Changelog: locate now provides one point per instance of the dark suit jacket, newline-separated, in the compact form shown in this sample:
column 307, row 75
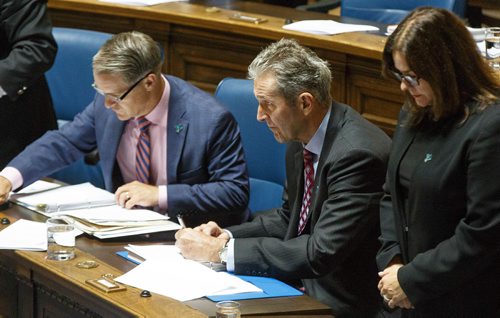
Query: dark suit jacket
column 335, row 255
column 451, row 245
column 27, row 50
column 205, row 162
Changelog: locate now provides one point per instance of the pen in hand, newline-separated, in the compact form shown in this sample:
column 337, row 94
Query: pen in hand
column 181, row 221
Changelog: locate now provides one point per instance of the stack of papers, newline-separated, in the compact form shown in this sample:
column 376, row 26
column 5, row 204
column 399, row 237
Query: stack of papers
column 167, row 273
column 24, row 235
column 327, row 27
column 94, row 210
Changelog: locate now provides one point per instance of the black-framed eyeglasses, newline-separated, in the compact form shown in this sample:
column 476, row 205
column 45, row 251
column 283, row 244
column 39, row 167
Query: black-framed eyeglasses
column 115, row 99
column 411, row 80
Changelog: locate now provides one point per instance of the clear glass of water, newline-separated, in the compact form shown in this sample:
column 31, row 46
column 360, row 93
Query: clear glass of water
column 60, row 238
column 228, row 309
column 492, row 53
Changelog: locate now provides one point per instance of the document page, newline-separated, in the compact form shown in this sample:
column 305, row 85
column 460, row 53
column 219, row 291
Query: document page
column 166, row 272
column 71, row 197
column 327, row 27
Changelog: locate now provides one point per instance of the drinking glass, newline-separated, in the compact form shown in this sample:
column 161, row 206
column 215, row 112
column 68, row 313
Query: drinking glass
column 61, row 239
column 492, row 53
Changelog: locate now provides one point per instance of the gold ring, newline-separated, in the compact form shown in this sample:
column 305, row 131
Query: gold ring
column 386, row 299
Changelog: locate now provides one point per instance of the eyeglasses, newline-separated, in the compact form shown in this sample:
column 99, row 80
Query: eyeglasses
column 411, row 80
column 115, row 99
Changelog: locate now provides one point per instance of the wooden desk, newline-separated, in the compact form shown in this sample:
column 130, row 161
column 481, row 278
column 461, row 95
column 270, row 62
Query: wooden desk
column 204, row 47
column 35, row 287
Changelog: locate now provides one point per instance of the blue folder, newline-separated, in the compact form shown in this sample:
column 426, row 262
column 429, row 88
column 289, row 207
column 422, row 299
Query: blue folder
column 271, row 287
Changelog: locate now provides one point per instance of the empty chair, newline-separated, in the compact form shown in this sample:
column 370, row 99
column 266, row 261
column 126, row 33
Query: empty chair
column 385, row 11
column 264, row 155
column 70, row 81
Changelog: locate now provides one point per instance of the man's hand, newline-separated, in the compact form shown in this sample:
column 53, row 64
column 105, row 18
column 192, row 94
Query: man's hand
column 199, row 246
column 390, row 289
column 5, row 188
column 213, row 229
column 136, row 193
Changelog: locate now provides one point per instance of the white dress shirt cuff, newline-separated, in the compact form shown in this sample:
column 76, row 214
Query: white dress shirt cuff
column 230, row 256
column 162, row 197
column 14, row 176
column 2, row 92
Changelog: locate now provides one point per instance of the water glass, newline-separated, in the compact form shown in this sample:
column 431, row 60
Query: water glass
column 228, row 309
column 60, row 238
column 492, row 53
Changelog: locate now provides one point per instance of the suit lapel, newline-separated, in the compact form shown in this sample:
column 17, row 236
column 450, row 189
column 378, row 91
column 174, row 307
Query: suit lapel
column 114, row 131
column 177, row 128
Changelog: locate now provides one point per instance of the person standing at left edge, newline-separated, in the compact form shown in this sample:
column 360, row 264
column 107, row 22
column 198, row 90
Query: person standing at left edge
column 27, row 50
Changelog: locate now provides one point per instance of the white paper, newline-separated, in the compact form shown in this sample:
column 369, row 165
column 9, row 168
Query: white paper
column 24, row 235
column 327, row 27
column 141, row 2
column 37, row 186
column 166, row 272
column 114, row 215
column 84, row 195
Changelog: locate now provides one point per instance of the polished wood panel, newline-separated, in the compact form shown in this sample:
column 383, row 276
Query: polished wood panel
column 35, row 287
column 203, row 46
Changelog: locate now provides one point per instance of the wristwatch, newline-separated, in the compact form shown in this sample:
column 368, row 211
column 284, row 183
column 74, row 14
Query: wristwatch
column 223, row 254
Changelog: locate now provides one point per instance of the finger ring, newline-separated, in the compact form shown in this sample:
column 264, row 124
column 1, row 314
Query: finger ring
column 386, row 299
column 127, row 196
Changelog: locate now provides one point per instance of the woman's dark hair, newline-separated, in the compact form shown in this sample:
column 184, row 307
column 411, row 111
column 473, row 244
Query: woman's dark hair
column 439, row 49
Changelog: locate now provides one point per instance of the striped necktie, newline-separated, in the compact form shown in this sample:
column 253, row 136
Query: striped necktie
column 143, row 154
column 308, row 185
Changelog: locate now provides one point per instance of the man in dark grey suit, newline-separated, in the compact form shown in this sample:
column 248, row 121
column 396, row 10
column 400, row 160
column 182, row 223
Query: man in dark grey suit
column 326, row 231
column 27, row 50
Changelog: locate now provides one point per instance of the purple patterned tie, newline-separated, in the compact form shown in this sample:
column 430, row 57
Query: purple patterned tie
column 308, row 185
column 143, row 154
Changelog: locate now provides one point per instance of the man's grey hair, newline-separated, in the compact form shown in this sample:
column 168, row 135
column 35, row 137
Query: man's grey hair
column 297, row 69
column 130, row 55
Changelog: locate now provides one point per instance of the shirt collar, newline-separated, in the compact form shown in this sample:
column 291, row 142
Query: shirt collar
column 158, row 115
column 316, row 143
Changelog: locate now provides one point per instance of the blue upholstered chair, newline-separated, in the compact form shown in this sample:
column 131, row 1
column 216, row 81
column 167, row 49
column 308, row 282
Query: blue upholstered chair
column 385, row 11
column 70, row 80
column 264, row 155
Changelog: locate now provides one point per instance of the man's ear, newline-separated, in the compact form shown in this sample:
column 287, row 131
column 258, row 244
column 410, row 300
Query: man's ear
column 306, row 102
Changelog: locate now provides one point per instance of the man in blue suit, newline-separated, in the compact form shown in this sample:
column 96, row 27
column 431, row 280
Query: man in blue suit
column 190, row 157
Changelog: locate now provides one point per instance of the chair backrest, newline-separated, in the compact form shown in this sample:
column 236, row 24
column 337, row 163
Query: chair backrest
column 70, row 77
column 393, row 11
column 264, row 195
column 69, row 81
column 264, row 155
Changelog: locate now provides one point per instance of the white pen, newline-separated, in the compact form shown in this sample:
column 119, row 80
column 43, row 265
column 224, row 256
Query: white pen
column 181, row 221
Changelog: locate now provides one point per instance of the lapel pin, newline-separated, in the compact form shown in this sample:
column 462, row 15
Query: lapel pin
column 428, row 157
column 178, row 128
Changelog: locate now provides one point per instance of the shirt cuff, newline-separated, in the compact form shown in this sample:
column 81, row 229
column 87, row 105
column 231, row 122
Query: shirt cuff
column 162, row 197
column 230, row 256
column 2, row 92
column 14, row 176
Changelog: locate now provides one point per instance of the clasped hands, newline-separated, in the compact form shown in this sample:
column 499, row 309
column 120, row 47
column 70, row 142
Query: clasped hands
column 390, row 289
column 201, row 243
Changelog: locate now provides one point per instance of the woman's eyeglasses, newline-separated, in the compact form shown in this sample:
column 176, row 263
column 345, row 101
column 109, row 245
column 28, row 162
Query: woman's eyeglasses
column 411, row 80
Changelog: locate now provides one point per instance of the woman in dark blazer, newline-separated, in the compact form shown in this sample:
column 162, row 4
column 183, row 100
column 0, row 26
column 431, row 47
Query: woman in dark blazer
column 440, row 216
